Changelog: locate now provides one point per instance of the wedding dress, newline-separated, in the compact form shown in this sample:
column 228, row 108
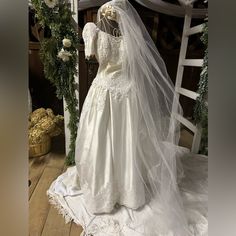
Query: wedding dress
column 128, row 179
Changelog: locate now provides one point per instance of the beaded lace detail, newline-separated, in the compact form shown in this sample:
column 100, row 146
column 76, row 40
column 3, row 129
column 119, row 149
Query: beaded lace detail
column 109, row 51
column 107, row 197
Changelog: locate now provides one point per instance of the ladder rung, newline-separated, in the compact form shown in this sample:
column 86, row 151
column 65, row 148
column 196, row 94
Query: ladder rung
column 194, row 30
column 185, row 122
column 192, row 62
column 187, row 93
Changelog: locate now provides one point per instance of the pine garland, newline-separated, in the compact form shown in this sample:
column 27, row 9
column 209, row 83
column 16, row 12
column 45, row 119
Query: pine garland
column 201, row 107
column 59, row 57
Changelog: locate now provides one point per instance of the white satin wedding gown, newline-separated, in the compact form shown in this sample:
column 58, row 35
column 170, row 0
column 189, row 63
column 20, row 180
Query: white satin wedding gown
column 105, row 174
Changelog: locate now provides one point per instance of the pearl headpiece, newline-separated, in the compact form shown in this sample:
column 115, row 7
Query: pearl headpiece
column 109, row 12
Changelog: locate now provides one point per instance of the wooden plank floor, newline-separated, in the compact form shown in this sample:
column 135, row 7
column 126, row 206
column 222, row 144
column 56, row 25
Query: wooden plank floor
column 44, row 218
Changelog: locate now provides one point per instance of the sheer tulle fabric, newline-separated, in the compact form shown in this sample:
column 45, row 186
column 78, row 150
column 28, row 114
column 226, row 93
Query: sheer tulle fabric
column 156, row 103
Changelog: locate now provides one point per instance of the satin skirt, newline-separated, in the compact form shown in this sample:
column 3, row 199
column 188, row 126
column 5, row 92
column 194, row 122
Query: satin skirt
column 105, row 159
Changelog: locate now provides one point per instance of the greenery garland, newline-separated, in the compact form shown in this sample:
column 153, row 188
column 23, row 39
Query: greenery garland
column 59, row 57
column 201, row 107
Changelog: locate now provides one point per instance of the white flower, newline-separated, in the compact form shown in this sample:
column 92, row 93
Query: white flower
column 64, row 55
column 51, row 3
column 66, row 43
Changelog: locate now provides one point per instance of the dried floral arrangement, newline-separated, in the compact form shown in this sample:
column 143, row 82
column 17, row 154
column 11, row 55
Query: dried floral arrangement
column 43, row 124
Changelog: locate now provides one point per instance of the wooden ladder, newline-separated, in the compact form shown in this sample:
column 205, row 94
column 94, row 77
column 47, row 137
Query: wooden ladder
column 187, row 31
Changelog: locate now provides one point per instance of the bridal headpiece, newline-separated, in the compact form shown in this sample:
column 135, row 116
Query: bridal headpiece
column 109, row 11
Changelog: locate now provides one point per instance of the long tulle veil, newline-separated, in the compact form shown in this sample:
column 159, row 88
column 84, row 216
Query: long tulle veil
column 155, row 106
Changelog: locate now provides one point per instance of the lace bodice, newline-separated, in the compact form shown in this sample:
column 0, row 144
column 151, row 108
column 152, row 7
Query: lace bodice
column 108, row 49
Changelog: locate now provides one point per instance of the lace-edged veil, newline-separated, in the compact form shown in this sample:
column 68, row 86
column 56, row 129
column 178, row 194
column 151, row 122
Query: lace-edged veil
column 155, row 105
